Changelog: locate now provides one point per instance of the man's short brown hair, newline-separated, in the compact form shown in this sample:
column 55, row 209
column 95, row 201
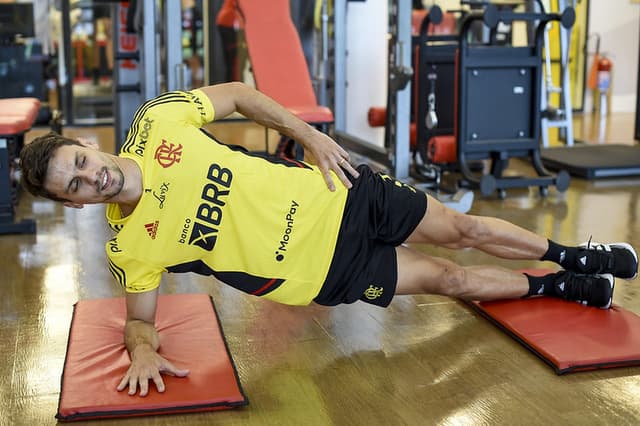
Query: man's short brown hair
column 34, row 162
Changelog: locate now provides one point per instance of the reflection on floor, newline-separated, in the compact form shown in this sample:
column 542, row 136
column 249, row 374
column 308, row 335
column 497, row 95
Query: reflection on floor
column 424, row 360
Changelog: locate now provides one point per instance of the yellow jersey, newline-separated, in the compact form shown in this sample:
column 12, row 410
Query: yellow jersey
column 266, row 226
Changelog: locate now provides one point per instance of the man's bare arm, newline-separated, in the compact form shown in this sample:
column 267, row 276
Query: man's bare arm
column 141, row 314
column 142, row 341
column 231, row 97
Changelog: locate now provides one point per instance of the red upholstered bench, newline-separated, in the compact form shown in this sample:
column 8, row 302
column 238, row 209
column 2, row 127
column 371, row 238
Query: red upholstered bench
column 17, row 115
column 314, row 114
column 277, row 59
column 279, row 67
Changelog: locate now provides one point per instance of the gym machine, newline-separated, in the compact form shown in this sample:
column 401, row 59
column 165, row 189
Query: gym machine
column 395, row 156
column 20, row 104
column 636, row 129
column 137, row 45
column 506, row 81
column 17, row 115
column 561, row 117
column 435, row 109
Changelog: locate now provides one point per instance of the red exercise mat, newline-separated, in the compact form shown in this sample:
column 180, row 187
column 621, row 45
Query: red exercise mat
column 191, row 337
column 568, row 336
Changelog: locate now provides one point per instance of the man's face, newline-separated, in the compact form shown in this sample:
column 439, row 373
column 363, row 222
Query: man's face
column 83, row 175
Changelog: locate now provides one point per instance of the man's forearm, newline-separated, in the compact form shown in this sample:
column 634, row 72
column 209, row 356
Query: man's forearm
column 265, row 111
column 138, row 332
column 323, row 151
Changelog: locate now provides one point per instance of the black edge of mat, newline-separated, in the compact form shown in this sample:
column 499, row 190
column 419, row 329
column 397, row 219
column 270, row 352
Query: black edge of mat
column 185, row 409
column 599, row 366
column 559, row 371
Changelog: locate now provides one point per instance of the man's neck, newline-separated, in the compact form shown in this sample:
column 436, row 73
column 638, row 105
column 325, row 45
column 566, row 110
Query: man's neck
column 132, row 190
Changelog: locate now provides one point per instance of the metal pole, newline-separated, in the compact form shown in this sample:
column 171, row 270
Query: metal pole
column 402, row 99
column 127, row 73
column 340, row 64
column 566, row 102
column 149, row 51
column 324, row 56
column 173, row 47
column 66, row 78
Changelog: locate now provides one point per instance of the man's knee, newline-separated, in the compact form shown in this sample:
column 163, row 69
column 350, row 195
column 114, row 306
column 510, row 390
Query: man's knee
column 472, row 230
column 454, row 281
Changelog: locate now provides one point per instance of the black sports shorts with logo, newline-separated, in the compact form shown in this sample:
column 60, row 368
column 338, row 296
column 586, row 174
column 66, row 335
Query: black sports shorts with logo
column 379, row 215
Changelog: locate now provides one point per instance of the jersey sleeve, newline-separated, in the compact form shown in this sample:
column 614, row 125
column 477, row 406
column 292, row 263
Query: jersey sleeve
column 193, row 108
column 133, row 275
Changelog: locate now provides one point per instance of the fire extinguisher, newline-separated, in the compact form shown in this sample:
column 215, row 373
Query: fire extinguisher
column 592, row 81
column 604, row 74
column 604, row 82
column 600, row 75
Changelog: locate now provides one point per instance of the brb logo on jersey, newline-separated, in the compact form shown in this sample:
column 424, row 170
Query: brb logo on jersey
column 204, row 227
column 168, row 154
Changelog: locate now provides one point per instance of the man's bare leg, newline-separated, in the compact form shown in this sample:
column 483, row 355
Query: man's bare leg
column 446, row 227
column 419, row 273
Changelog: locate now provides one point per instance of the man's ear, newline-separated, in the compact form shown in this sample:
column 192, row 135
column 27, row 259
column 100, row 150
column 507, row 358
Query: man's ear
column 73, row 205
column 89, row 143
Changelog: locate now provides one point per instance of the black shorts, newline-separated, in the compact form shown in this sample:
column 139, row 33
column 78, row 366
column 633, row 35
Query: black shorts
column 379, row 215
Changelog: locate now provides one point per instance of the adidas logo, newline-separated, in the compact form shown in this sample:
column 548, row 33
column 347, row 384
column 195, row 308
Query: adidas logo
column 583, row 260
column 561, row 286
column 541, row 290
column 563, row 255
column 152, row 229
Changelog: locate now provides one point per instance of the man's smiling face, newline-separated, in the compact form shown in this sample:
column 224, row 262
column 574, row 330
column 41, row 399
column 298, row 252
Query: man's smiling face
column 83, row 175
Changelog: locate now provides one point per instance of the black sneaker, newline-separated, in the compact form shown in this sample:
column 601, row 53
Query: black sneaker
column 619, row 259
column 590, row 290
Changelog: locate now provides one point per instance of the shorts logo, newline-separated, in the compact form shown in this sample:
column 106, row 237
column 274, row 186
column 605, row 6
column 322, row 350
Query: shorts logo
column 373, row 292
column 152, row 229
column 168, row 153
column 397, row 182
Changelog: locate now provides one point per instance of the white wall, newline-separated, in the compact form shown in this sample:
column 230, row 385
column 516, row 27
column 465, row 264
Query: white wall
column 618, row 23
column 367, row 25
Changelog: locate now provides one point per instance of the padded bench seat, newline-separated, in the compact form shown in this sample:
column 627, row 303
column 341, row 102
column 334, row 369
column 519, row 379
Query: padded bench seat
column 17, row 115
column 277, row 59
column 313, row 114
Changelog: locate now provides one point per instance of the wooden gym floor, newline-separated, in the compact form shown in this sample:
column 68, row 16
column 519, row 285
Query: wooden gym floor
column 424, row 360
